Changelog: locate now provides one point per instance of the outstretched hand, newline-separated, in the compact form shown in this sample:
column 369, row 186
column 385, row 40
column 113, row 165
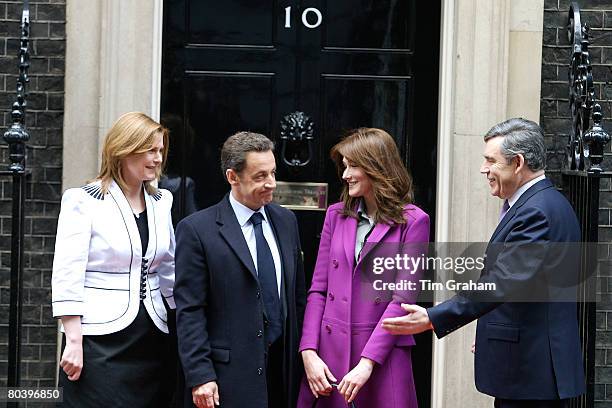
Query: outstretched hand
column 416, row 321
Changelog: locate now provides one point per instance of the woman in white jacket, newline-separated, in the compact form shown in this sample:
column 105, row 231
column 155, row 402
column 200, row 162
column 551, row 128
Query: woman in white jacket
column 113, row 266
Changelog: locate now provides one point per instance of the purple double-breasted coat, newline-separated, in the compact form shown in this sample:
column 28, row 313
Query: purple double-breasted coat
column 343, row 326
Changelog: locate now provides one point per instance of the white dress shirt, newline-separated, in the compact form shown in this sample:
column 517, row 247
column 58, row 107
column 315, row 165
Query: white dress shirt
column 518, row 193
column 243, row 214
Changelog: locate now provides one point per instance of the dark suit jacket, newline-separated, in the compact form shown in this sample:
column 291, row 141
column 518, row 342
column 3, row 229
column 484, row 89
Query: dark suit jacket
column 220, row 312
column 523, row 350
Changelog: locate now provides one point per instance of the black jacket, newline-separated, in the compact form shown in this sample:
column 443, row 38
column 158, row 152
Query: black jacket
column 220, row 312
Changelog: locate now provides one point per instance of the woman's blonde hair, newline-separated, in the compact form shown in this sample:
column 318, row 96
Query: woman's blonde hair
column 375, row 151
column 133, row 132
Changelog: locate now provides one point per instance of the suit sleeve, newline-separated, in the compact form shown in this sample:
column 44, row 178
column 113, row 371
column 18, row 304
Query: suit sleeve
column 190, row 294
column 515, row 270
column 317, row 294
column 381, row 342
column 71, row 255
column 166, row 266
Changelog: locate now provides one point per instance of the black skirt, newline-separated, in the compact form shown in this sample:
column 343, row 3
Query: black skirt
column 130, row 368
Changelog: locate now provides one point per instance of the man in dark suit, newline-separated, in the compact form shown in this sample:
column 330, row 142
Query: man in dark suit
column 527, row 353
column 240, row 288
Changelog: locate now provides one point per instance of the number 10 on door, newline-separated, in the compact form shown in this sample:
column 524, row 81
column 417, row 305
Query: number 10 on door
column 306, row 19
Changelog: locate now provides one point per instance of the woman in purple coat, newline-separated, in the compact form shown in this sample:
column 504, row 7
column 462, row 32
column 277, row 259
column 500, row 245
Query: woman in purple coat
column 342, row 341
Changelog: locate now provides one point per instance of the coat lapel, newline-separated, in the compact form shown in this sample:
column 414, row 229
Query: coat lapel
column 537, row 187
column 377, row 235
column 283, row 240
column 232, row 233
column 128, row 217
column 349, row 235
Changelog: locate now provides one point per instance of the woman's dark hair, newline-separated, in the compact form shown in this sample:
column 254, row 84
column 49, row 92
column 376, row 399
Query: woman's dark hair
column 376, row 153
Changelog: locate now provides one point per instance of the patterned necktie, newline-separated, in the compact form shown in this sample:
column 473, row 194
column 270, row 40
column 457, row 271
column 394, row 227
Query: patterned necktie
column 504, row 209
column 266, row 274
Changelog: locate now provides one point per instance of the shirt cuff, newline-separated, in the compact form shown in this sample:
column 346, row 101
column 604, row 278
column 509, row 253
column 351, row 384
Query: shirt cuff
column 67, row 308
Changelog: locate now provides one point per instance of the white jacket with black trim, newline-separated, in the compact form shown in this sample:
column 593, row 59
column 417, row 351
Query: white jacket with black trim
column 99, row 271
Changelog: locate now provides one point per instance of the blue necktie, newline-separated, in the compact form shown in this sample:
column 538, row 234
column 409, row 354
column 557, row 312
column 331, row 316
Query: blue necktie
column 267, row 281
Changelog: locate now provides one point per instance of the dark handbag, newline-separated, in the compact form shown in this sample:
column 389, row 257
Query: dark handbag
column 314, row 404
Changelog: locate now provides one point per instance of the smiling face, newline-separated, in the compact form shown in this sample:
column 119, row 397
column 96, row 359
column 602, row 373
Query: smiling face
column 140, row 167
column 359, row 184
column 504, row 178
column 254, row 185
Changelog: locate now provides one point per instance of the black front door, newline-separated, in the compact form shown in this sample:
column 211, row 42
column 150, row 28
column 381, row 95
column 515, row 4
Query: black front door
column 235, row 65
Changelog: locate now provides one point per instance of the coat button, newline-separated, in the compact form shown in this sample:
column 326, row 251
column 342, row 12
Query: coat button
column 258, row 294
column 335, row 263
column 377, row 300
column 344, row 299
column 331, row 296
column 259, row 371
column 328, row 328
column 259, row 333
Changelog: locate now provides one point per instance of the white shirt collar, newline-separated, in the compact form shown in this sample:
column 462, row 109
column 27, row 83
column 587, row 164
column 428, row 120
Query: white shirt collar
column 518, row 193
column 244, row 213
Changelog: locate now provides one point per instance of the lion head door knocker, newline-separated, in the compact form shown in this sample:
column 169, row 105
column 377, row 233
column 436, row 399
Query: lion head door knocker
column 297, row 139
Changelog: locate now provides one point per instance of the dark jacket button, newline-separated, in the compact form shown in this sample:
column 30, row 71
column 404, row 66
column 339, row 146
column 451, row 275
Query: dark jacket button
column 259, row 371
column 259, row 333
column 335, row 263
column 331, row 296
column 328, row 328
column 258, row 294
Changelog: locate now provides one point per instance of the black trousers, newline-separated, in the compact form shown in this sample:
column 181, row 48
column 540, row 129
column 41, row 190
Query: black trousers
column 504, row 403
column 277, row 396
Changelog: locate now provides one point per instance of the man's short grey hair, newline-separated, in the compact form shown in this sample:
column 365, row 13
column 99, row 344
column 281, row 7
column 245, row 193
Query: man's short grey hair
column 521, row 136
column 236, row 147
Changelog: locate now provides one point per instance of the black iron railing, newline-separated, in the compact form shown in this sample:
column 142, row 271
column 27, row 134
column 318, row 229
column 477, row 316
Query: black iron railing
column 582, row 178
column 16, row 137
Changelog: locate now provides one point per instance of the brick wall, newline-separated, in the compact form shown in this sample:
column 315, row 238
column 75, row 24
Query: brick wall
column 44, row 123
column 555, row 119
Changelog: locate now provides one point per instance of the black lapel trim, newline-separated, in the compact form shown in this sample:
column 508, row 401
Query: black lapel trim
column 94, row 190
column 157, row 196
